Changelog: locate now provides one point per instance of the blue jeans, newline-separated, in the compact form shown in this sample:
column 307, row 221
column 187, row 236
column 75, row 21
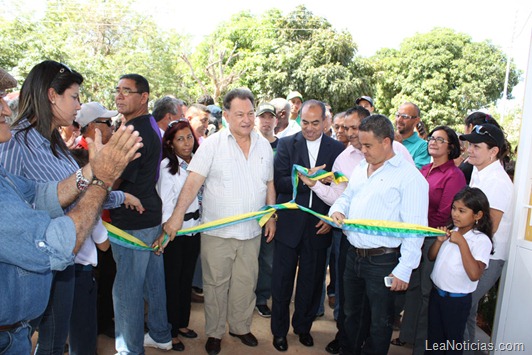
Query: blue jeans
column 17, row 341
column 197, row 279
column 264, row 281
column 139, row 276
column 83, row 328
column 54, row 324
column 368, row 303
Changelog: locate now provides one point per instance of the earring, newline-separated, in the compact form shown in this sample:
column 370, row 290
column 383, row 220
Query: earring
column 476, row 222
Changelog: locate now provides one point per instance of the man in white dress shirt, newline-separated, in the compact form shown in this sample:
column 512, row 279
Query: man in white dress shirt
column 385, row 187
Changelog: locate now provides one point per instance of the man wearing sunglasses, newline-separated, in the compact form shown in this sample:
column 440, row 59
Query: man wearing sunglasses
column 91, row 116
column 406, row 119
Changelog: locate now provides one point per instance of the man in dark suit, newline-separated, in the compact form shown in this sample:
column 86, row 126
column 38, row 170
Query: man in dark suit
column 300, row 238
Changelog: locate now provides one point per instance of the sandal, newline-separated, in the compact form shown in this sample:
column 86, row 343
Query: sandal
column 397, row 342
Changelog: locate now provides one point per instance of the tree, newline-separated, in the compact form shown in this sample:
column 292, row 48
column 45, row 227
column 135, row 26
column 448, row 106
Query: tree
column 273, row 54
column 112, row 41
column 445, row 73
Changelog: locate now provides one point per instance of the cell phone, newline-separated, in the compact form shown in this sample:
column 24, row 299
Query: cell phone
column 388, row 281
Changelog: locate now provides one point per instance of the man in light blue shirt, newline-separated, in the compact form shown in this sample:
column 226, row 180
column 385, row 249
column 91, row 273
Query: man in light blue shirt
column 386, row 187
column 406, row 119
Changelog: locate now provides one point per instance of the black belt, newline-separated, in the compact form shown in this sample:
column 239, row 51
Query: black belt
column 191, row 215
column 7, row 328
column 375, row 251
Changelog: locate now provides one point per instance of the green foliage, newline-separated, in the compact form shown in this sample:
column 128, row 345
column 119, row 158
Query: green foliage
column 275, row 54
column 110, row 42
column 444, row 73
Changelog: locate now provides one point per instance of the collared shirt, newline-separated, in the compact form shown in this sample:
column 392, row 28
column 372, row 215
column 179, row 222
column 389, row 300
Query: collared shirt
column 345, row 163
column 313, row 148
column 498, row 187
column 292, row 128
column 169, row 186
column 233, row 184
column 449, row 273
column 394, row 192
column 418, row 150
column 36, row 238
column 444, row 183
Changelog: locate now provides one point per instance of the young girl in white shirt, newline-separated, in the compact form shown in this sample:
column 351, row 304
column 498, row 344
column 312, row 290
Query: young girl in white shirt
column 461, row 257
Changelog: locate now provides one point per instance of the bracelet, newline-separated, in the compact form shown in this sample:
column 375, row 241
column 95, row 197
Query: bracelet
column 97, row 182
column 81, row 182
column 275, row 216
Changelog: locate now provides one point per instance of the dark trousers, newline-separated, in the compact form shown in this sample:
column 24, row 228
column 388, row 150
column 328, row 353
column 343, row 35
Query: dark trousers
column 368, row 303
column 264, row 281
column 179, row 263
column 105, row 276
column 83, row 327
column 447, row 321
column 341, row 335
column 309, row 285
column 54, row 324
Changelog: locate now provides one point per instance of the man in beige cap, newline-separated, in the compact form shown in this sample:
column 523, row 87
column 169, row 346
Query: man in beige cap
column 296, row 100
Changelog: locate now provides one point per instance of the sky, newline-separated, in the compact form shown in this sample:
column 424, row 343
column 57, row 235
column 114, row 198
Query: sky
column 373, row 24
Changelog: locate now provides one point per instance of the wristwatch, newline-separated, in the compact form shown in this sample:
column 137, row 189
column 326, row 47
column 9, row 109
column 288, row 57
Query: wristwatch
column 81, row 182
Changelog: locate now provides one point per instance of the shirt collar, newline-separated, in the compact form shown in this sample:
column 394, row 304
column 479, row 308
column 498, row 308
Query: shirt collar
column 413, row 138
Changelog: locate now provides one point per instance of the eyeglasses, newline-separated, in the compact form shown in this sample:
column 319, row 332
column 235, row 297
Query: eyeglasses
column 108, row 122
column 482, row 131
column 173, row 123
column 440, row 140
column 404, row 116
column 126, row 91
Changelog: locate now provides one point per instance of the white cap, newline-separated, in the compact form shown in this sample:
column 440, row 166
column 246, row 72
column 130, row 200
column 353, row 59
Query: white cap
column 91, row 111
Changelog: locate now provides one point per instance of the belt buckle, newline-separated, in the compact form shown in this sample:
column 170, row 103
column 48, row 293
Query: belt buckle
column 362, row 252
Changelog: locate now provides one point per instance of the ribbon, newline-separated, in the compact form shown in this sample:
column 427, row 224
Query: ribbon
column 372, row 227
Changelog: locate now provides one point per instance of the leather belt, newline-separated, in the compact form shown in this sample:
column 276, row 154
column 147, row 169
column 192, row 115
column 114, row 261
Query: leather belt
column 375, row 251
column 7, row 328
column 191, row 215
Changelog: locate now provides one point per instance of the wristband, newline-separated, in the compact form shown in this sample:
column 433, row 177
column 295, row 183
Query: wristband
column 81, row 182
column 97, row 182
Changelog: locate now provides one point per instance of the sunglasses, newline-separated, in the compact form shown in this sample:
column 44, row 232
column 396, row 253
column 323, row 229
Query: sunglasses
column 62, row 70
column 173, row 123
column 479, row 129
column 108, row 122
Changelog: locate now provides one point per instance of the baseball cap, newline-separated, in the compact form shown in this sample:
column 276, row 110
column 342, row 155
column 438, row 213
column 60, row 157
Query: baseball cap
column 91, row 111
column 266, row 107
column 367, row 98
column 294, row 94
column 485, row 133
column 7, row 81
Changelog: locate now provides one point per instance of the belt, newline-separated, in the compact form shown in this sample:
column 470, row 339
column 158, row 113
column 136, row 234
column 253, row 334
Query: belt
column 81, row 267
column 375, row 251
column 191, row 215
column 443, row 293
column 7, row 328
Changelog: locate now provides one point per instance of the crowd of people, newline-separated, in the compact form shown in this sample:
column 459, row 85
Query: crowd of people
column 69, row 170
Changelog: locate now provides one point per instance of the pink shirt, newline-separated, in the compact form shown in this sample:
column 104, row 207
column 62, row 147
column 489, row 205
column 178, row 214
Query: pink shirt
column 444, row 183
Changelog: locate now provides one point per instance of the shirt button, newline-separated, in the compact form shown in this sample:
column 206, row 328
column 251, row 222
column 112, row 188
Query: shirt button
column 41, row 244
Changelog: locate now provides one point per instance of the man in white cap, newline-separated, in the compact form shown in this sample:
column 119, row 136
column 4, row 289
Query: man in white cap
column 91, row 116
column 296, row 101
column 366, row 102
